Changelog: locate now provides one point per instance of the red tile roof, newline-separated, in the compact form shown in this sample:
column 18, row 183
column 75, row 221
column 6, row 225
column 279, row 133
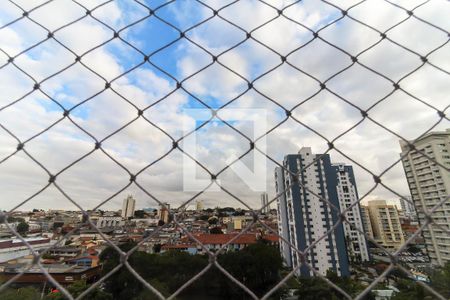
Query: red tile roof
column 246, row 238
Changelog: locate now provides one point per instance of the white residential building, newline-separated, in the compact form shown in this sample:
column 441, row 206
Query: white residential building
column 282, row 217
column 265, row 202
column 15, row 248
column 128, row 207
column 109, row 221
column 408, row 210
column 429, row 183
column 348, row 195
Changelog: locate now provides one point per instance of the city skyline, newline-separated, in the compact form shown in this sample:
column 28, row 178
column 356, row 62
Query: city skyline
column 96, row 177
column 224, row 149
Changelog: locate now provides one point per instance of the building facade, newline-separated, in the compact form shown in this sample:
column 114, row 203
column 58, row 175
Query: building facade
column 264, row 203
column 408, row 210
column 164, row 213
column 199, row 205
column 385, row 222
column 305, row 219
column 429, row 183
column 347, row 194
column 128, row 207
column 14, row 248
column 282, row 217
column 109, row 221
column 367, row 224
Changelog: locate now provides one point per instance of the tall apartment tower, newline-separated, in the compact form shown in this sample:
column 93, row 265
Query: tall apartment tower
column 304, row 219
column 348, row 194
column 429, row 184
column 408, row 210
column 128, row 207
column 367, row 224
column 164, row 213
column 282, row 217
column 199, row 205
column 386, row 227
column 264, row 202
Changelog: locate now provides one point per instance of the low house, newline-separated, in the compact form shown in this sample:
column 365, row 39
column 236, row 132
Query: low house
column 63, row 273
column 65, row 252
column 84, row 260
column 214, row 242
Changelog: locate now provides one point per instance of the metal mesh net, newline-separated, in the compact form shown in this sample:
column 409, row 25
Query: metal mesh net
column 341, row 51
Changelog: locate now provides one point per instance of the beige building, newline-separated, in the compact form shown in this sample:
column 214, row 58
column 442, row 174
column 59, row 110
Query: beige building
column 385, row 224
column 429, row 184
column 199, row 205
column 365, row 218
column 164, row 213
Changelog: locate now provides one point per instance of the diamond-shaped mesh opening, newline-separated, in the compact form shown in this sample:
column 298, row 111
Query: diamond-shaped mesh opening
column 326, row 105
column 99, row 34
column 69, row 12
column 159, row 35
column 436, row 37
column 281, row 28
column 211, row 150
column 358, row 36
column 319, row 59
column 15, row 92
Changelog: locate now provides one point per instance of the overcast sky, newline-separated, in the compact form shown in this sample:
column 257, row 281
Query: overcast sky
column 97, row 177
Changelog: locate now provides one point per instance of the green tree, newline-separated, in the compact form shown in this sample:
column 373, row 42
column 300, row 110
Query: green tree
column 256, row 266
column 239, row 213
column 11, row 219
column 413, row 249
column 146, row 294
column 314, row 288
column 440, row 280
column 140, row 214
column 22, row 228
column 25, row 293
column 409, row 290
column 216, row 230
column 213, row 220
column 122, row 284
column 318, row 289
column 157, row 248
column 203, row 217
column 77, row 288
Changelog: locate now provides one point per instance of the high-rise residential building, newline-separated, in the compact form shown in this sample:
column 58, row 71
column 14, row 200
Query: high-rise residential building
column 128, row 207
column 347, row 194
column 282, row 217
column 429, row 184
column 164, row 213
column 199, row 205
column 408, row 210
column 367, row 224
column 265, row 202
column 386, row 227
column 304, row 219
